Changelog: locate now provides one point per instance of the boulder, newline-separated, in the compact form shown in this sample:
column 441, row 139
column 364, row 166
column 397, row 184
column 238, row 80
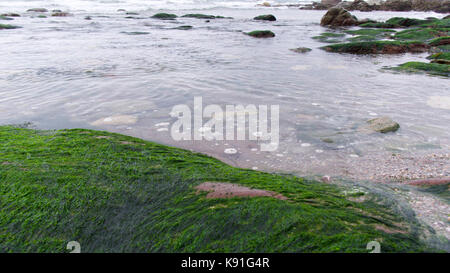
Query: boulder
column 164, row 16
column 330, row 3
column 37, row 10
column 397, row 5
column 261, row 34
column 338, row 17
column 382, row 125
column 265, row 17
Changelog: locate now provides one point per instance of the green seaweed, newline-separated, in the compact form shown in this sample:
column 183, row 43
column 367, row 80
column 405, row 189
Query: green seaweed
column 115, row 193
column 2, row 26
column 165, row 16
column 261, row 34
column 420, row 67
column 377, row 47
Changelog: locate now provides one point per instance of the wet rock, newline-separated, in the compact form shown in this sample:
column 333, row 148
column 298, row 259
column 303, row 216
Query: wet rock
column 397, row 5
column 378, row 47
column 88, row 18
column 442, row 6
column 261, row 34
column 330, row 3
column 61, row 14
column 356, row 5
column 199, row 16
column 2, row 26
column 56, row 10
column 383, row 125
column 301, row 49
column 338, row 17
column 6, row 18
column 11, row 14
column 184, row 27
column 266, row 17
column 440, row 41
column 37, row 10
column 266, row 4
column 132, row 13
column 121, row 10
column 165, row 16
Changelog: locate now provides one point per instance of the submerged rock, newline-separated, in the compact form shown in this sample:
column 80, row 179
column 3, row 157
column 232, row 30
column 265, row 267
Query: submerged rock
column 199, row 16
column 11, row 14
column 37, row 10
column 429, row 68
column 186, row 27
column 261, row 34
column 2, row 26
column 382, row 125
column 165, row 16
column 378, row 47
column 301, row 49
column 6, row 18
column 266, row 17
column 61, row 14
column 338, row 17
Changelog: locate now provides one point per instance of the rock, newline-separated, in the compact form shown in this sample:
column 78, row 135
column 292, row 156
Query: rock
column 397, row 5
column 442, row 6
column 121, row 10
column 164, row 16
column 61, row 14
column 360, row 5
column 56, row 10
column 11, row 14
column 37, row 10
column 440, row 41
column 383, row 125
column 266, row 4
column 330, row 3
column 266, row 17
column 261, row 34
column 338, row 17
column 378, row 47
column 301, row 49
column 8, row 26
column 186, row 27
column 6, row 18
column 446, row 17
column 88, row 18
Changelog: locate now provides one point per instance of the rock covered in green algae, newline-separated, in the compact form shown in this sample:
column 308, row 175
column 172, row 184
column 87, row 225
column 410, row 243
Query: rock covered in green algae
column 440, row 41
column 430, row 68
column 301, row 49
column 11, row 14
column 420, row 34
column 265, row 17
column 329, row 37
column 338, row 17
column 378, row 47
column 440, row 56
column 382, row 125
column 2, row 26
column 61, row 14
column 261, row 34
column 6, row 18
column 165, row 16
column 203, row 16
column 186, row 27
column 371, row 32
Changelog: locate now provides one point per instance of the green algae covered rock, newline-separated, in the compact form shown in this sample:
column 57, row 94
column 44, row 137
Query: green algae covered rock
column 261, row 34
column 165, row 16
column 266, row 17
column 420, row 67
column 378, row 47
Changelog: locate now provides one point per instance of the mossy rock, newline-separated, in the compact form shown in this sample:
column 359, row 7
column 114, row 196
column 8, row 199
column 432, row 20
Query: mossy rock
column 430, row 68
column 440, row 55
column 378, row 47
column 378, row 25
column 42, row 16
column 115, row 193
column 204, row 16
column 329, row 37
column 6, row 18
column 370, row 32
column 186, row 27
column 265, row 17
column 11, row 14
column 165, row 16
column 261, row 34
column 382, row 125
column 2, row 26
column 440, row 41
column 407, row 22
column 362, row 38
column 420, row 34
column 136, row 33
column 301, row 49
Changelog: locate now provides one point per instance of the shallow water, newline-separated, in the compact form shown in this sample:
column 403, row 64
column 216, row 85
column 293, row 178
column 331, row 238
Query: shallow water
column 69, row 72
